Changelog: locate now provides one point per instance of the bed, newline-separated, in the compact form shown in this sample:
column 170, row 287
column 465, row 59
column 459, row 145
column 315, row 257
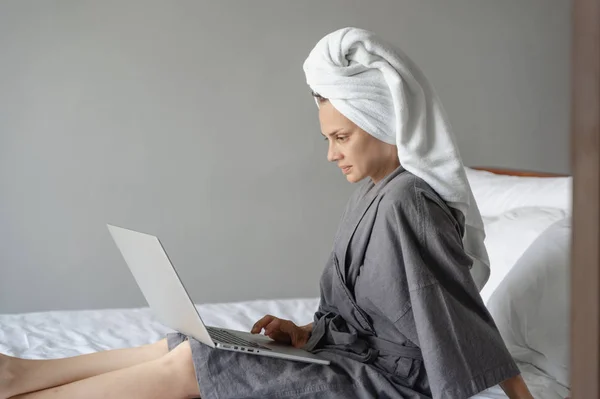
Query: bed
column 516, row 207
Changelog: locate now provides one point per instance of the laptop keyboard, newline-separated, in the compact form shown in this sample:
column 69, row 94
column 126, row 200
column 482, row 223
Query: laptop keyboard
column 228, row 338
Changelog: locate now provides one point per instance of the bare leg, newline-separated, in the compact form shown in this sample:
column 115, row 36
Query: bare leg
column 24, row 375
column 170, row 377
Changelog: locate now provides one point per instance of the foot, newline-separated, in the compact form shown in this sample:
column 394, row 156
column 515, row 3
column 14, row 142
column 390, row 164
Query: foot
column 7, row 377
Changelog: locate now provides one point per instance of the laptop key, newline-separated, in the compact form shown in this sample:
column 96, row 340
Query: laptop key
column 228, row 338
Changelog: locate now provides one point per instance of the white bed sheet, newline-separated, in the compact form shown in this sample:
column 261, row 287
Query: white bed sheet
column 54, row 334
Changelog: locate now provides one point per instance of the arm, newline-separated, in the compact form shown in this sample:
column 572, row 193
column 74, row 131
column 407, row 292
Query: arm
column 463, row 352
column 515, row 388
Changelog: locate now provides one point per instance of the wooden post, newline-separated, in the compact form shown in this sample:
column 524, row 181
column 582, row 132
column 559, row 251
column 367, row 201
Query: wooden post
column 585, row 162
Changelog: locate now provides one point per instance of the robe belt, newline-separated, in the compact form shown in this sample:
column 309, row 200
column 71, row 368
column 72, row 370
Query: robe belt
column 384, row 345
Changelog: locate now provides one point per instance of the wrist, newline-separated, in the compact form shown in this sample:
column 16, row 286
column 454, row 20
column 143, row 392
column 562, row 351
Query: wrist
column 307, row 328
column 515, row 388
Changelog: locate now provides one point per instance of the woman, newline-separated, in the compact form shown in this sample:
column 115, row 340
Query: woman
column 400, row 314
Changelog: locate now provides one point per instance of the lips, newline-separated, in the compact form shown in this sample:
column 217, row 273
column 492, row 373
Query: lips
column 345, row 169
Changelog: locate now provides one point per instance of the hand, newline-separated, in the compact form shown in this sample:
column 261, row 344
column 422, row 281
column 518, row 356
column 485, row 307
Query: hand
column 515, row 388
column 281, row 330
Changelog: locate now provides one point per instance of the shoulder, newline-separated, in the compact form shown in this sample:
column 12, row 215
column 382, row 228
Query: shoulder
column 407, row 190
column 409, row 197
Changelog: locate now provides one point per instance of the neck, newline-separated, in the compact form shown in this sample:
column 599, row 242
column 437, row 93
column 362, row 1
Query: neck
column 385, row 170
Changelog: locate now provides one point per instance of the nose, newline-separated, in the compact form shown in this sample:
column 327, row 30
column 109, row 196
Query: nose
column 333, row 154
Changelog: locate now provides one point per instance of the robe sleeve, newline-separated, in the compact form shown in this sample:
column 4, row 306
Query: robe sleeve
column 440, row 309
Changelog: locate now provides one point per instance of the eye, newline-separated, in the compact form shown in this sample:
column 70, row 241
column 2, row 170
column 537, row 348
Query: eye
column 341, row 138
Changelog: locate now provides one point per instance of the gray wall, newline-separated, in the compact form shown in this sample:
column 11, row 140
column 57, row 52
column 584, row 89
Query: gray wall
column 191, row 120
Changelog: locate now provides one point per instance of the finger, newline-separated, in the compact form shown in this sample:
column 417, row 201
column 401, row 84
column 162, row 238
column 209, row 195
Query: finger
column 296, row 337
column 282, row 330
column 273, row 326
column 287, row 326
column 280, row 337
column 258, row 326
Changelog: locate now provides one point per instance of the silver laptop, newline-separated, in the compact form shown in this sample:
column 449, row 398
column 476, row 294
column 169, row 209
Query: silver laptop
column 168, row 298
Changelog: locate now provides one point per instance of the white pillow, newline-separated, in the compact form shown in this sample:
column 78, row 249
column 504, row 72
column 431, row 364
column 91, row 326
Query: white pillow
column 531, row 305
column 509, row 234
column 496, row 194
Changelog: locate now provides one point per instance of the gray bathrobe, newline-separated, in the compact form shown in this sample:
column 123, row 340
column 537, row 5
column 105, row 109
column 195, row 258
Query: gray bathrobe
column 399, row 317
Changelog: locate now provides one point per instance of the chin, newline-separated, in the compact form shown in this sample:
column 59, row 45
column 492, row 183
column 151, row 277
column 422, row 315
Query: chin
column 352, row 178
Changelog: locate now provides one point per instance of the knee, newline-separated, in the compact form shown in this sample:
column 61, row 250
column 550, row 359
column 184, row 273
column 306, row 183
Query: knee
column 180, row 355
column 180, row 365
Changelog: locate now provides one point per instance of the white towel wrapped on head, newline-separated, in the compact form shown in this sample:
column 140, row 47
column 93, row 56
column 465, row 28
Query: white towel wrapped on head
column 383, row 92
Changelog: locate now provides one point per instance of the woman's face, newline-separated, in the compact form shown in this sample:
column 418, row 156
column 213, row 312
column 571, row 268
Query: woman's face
column 356, row 152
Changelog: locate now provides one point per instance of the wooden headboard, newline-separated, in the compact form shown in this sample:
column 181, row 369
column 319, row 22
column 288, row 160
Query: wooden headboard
column 516, row 172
